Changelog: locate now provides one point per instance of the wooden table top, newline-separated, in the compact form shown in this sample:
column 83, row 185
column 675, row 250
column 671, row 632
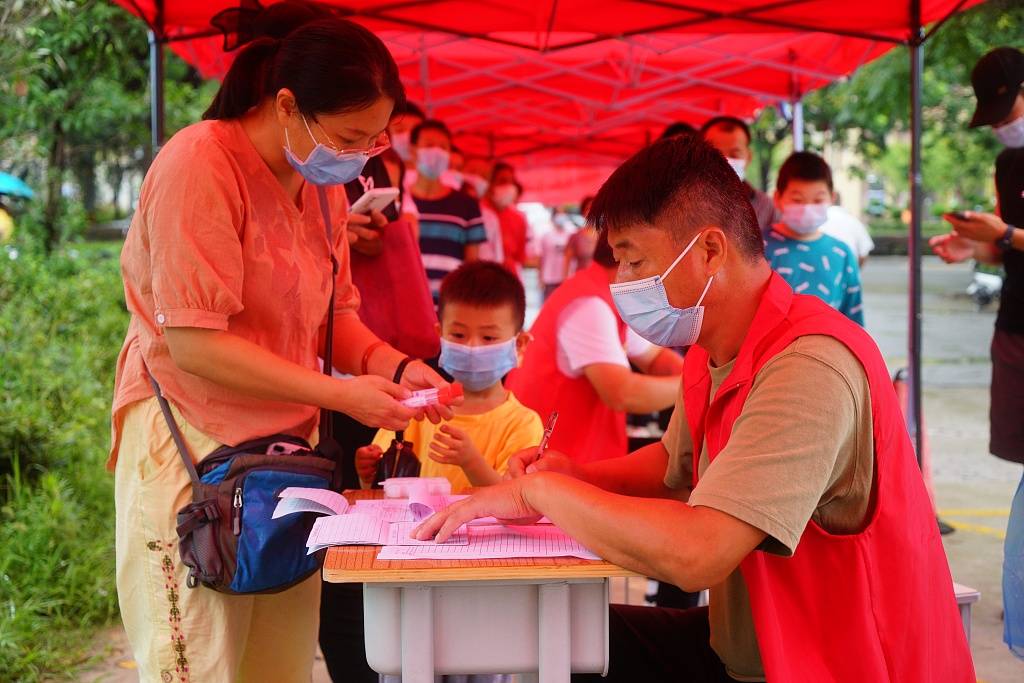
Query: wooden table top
column 359, row 564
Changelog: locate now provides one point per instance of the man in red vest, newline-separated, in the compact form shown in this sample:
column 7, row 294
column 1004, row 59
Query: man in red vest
column 786, row 482
column 579, row 365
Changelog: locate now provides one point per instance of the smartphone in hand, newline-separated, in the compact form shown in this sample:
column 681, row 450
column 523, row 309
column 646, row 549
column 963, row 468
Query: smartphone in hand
column 377, row 199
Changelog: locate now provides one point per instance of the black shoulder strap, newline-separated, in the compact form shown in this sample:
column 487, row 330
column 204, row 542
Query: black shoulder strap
column 179, row 440
column 326, row 424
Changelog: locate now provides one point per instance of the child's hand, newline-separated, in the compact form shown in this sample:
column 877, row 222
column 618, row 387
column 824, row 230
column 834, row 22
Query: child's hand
column 366, row 462
column 452, row 446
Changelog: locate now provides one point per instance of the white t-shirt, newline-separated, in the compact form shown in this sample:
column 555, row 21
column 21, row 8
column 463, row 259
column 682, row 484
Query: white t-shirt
column 491, row 250
column 846, row 228
column 409, row 204
column 588, row 333
column 552, row 257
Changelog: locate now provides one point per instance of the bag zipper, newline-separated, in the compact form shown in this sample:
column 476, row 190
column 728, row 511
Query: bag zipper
column 236, row 515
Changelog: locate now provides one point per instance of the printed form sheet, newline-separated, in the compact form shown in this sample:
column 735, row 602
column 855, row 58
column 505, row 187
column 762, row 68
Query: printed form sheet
column 496, row 542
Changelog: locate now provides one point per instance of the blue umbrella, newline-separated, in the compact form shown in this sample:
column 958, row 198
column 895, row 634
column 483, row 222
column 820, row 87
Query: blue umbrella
column 14, row 186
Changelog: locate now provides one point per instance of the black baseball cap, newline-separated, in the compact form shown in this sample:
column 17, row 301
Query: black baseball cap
column 996, row 78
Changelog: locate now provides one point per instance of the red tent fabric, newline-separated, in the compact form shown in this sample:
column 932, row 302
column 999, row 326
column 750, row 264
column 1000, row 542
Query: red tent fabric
column 575, row 86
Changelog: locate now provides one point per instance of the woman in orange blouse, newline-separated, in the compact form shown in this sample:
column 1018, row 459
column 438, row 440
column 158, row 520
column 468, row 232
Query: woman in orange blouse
column 227, row 275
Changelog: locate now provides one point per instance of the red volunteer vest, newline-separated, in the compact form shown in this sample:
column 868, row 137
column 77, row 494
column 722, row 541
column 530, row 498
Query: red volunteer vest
column 873, row 606
column 587, row 429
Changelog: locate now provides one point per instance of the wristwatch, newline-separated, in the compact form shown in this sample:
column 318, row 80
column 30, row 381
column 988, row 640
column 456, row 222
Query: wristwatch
column 1006, row 241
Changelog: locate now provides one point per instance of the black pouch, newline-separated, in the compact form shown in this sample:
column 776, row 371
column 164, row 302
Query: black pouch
column 398, row 461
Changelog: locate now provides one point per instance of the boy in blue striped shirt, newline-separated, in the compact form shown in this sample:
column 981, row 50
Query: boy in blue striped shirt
column 808, row 259
column 451, row 226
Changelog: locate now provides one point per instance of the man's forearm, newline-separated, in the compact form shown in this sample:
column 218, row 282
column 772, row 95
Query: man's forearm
column 641, row 473
column 641, row 534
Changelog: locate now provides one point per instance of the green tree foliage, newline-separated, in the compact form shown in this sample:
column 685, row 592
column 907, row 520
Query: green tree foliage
column 870, row 111
column 75, row 100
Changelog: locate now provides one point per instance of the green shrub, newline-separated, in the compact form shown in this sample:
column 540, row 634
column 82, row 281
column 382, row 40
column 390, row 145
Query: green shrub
column 62, row 321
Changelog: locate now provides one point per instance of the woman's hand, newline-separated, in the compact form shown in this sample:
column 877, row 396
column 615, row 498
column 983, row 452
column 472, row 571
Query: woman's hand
column 365, row 232
column 452, row 446
column 418, row 375
column 374, row 401
column 367, row 458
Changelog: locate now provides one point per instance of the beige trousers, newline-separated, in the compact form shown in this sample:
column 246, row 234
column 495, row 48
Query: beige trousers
column 180, row 634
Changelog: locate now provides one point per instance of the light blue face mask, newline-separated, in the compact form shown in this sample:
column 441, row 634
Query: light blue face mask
column 478, row 367
column 804, row 219
column 432, row 162
column 325, row 166
column 643, row 305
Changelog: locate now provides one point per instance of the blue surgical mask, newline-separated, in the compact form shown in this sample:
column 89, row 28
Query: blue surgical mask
column 739, row 166
column 1012, row 134
column 402, row 144
column 478, row 367
column 431, row 162
column 804, row 219
column 644, row 306
column 324, row 166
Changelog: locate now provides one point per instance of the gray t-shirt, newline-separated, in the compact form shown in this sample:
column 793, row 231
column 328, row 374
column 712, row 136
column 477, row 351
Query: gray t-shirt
column 802, row 449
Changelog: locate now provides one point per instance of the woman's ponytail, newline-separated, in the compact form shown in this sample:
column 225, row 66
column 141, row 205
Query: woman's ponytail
column 247, row 81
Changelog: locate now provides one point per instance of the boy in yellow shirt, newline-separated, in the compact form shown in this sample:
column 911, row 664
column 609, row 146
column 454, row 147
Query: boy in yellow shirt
column 482, row 310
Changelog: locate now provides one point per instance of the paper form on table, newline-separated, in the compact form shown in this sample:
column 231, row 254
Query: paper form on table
column 320, row 501
column 496, row 542
column 399, row 534
column 351, row 529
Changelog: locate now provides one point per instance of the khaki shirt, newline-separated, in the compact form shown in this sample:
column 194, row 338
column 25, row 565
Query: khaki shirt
column 802, row 449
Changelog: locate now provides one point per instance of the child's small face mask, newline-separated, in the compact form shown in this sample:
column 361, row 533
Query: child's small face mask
column 479, row 346
column 804, row 205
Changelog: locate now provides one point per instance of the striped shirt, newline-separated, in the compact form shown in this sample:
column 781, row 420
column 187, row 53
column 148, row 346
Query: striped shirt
column 447, row 226
column 823, row 266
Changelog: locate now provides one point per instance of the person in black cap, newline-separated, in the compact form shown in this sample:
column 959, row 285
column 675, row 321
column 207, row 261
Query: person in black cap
column 998, row 238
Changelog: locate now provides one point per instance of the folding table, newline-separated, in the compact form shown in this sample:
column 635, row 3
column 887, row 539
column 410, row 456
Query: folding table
column 544, row 617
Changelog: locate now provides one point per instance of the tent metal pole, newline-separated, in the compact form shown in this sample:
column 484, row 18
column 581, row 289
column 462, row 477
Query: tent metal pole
column 914, row 240
column 797, row 112
column 798, row 126
column 156, row 77
column 156, row 91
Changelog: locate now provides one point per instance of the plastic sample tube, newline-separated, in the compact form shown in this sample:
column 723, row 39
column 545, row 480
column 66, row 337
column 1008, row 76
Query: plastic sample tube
column 432, row 397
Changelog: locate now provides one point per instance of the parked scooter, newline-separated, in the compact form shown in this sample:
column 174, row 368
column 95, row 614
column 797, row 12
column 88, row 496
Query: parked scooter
column 985, row 287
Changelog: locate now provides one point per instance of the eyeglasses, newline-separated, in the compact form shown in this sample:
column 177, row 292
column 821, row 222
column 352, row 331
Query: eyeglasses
column 378, row 147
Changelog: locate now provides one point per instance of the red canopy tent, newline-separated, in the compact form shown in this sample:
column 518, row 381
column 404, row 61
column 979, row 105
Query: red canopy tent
column 581, row 84
column 569, row 88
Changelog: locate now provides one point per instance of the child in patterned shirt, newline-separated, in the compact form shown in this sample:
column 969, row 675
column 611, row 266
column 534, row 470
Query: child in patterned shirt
column 808, row 259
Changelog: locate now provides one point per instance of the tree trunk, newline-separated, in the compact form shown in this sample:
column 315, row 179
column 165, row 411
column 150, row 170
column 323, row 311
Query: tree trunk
column 84, row 165
column 115, row 178
column 54, row 178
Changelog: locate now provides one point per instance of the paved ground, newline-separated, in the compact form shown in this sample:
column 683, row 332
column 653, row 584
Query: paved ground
column 973, row 488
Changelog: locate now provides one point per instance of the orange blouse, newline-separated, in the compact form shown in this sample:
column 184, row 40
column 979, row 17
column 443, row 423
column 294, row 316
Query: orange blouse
column 217, row 243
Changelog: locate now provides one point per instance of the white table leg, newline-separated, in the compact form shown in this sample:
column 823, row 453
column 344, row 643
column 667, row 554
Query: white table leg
column 555, row 646
column 417, row 634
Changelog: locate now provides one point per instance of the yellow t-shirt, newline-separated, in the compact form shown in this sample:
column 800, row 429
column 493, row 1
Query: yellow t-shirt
column 497, row 434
